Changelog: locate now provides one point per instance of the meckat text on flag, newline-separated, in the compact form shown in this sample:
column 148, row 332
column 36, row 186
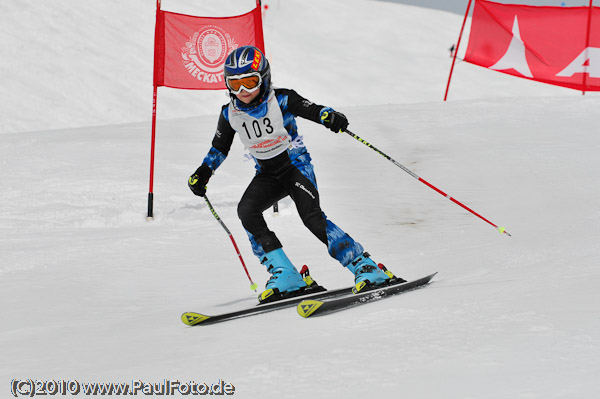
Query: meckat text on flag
column 554, row 45
column 189, row 53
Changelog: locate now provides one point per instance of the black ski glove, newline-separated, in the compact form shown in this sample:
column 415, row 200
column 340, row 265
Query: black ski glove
column 197, row 182
column 336, row 121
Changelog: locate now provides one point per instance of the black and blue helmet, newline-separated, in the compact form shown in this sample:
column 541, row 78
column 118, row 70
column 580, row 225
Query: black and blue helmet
column 250, row 63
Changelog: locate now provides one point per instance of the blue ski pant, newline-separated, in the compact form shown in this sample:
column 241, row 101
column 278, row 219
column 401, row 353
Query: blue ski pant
column 276, row 179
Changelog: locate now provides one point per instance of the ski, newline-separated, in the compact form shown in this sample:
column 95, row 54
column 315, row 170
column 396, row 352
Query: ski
column 197, row 319
column 315, row 306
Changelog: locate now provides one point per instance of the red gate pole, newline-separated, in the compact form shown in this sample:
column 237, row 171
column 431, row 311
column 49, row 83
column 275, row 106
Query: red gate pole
column 587, row 44
column 456, row 51
column 150, row 214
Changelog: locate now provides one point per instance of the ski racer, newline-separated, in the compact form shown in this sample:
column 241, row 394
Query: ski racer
column 264, row 119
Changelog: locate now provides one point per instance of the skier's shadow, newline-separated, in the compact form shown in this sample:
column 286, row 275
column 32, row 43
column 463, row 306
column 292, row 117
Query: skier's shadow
column 240, row 300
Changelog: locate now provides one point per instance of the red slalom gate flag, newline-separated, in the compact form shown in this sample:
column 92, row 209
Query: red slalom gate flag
column 554, row 45
column 190, row 51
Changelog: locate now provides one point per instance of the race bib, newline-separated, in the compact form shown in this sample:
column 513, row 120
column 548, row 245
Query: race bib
column 262, row 133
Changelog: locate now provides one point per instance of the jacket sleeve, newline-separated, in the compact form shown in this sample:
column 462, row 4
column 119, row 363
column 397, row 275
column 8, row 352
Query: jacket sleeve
column 304, row 108
column 221, row 143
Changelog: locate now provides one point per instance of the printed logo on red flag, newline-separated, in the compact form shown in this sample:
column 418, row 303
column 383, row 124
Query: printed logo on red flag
column 205, row 53
column 527, row 42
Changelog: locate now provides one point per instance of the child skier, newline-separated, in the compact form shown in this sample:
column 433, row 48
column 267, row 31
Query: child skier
column 264, row 118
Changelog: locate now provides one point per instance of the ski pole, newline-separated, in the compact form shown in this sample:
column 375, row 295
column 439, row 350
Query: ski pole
column 253, row 285
column 410, row 172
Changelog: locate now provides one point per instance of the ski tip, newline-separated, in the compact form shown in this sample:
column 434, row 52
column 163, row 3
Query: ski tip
column 308, row 307
column 192, row 319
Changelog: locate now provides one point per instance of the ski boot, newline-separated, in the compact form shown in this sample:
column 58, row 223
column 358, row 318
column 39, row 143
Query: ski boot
column 285, row 281
column 369, row 275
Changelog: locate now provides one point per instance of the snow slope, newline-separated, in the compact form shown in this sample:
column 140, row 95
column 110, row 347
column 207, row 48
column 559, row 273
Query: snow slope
column 93, row 292
column 70, row 63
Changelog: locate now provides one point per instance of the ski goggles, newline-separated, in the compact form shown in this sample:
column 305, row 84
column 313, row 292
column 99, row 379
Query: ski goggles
column 248, row 81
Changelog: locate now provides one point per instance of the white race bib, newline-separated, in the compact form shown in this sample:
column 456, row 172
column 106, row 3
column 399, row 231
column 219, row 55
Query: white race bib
column 263, row 135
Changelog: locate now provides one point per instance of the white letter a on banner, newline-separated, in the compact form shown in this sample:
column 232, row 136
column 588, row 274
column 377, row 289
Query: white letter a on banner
column 591, row 56
column 514, row 58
